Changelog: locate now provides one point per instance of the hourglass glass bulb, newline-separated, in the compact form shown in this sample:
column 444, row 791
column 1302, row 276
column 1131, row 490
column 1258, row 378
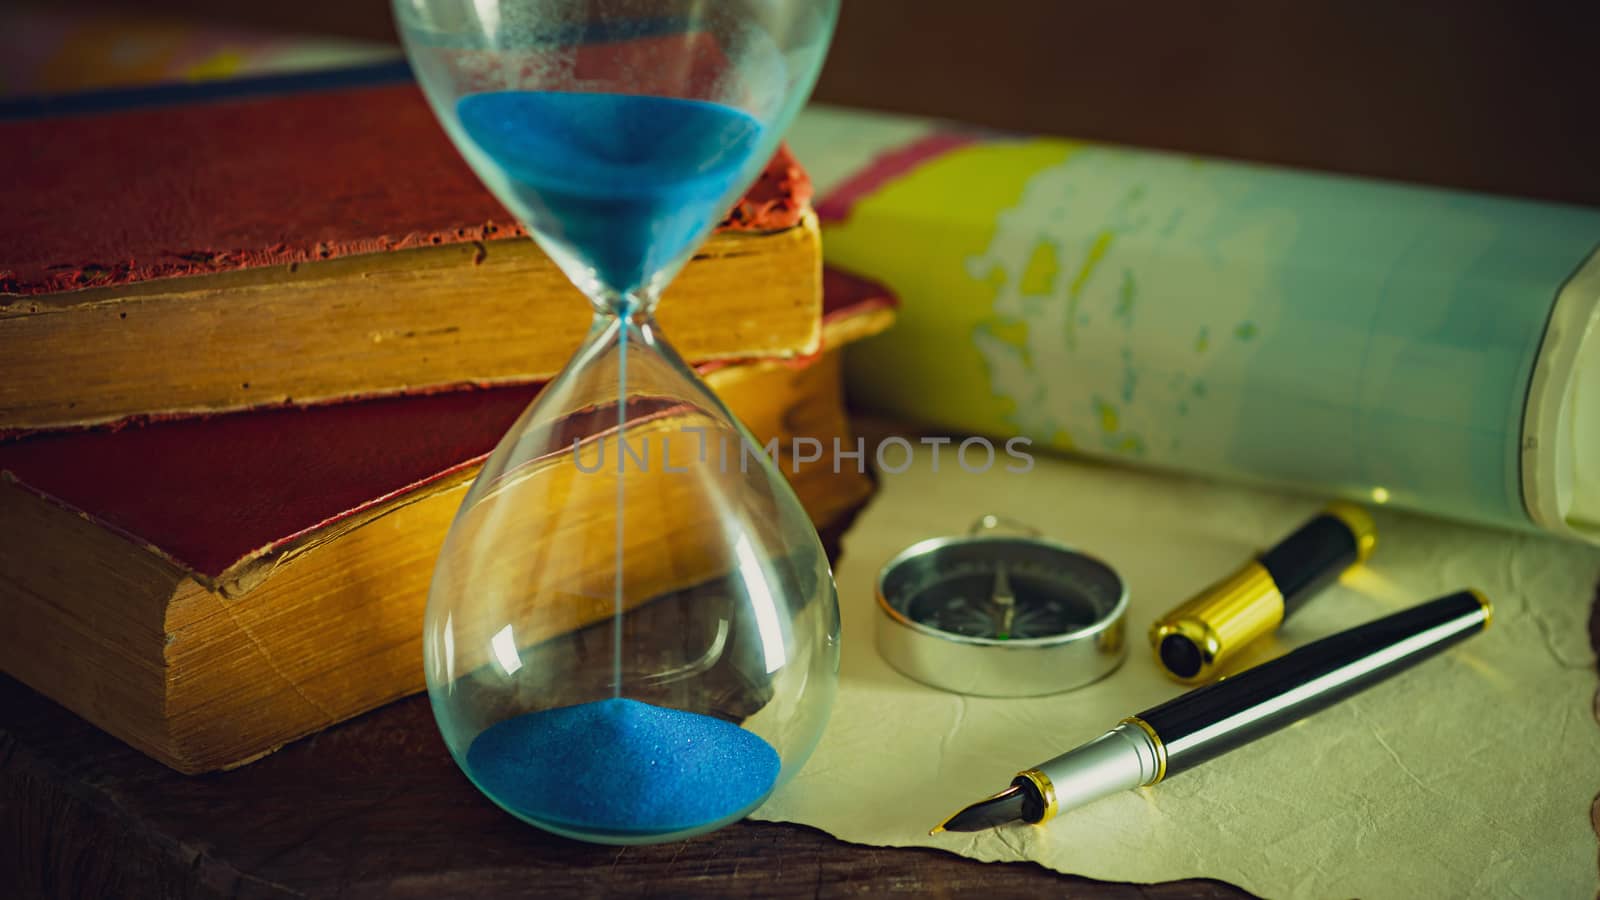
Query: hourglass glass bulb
column 632, row 632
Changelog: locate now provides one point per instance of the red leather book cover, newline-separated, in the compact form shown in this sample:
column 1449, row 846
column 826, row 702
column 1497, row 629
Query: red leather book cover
column 204, row 247
column 126, row 186
column 209, row 492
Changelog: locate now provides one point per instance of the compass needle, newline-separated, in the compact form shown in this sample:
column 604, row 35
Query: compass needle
column 1005, row 602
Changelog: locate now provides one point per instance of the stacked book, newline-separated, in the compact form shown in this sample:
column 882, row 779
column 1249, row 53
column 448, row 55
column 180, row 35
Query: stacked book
column 255, row 339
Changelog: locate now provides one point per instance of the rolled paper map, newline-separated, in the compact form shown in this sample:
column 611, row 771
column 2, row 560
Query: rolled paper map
column 1377, row 341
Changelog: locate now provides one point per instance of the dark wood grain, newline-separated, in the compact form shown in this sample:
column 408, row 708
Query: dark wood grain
column 376, row 808
column 1594, row 644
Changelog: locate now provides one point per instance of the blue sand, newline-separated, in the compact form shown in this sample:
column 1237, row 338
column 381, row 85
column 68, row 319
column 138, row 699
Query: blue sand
column 622, row 766
column 626, row 183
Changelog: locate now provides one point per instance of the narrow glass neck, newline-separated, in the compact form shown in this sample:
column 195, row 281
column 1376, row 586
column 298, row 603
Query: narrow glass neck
column 635, row 305
column 638, row 324
column 640, row 332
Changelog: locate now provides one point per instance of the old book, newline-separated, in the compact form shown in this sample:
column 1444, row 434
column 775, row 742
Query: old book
column 315, row 237
column 209, row 589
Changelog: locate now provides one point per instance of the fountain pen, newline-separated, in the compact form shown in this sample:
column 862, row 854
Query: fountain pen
column 1209, row 721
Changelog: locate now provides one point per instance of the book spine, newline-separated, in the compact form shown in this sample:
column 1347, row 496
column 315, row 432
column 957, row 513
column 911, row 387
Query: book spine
column 1347, row 336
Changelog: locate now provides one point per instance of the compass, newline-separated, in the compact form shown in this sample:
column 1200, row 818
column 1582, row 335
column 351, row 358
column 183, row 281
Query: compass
column 1000, row 614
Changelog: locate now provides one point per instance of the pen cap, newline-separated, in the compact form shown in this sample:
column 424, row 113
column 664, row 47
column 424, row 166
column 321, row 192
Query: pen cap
column 1193, row 642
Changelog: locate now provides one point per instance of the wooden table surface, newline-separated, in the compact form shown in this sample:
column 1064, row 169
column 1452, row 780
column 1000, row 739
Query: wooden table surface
column 376, row 808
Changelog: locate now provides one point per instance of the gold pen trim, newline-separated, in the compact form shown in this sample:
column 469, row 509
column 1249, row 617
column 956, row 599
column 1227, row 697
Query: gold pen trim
column 1360, row 524
column 1221, row 620
column 1483, row 601
column 1047, row 792
column 1160, row 747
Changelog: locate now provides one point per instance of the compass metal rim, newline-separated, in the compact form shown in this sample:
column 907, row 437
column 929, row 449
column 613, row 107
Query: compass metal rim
column 997, row 667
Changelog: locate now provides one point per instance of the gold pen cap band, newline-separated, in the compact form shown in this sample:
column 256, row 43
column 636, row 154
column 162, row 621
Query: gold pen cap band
column 1193, row 642
column 1360, row 524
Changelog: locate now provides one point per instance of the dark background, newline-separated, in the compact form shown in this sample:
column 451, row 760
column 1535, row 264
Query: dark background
column 1490, row 95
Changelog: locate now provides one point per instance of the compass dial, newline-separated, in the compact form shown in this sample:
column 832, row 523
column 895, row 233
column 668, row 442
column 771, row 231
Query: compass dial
column 1002, row 589
column 1000, row 616
column 1041, row 603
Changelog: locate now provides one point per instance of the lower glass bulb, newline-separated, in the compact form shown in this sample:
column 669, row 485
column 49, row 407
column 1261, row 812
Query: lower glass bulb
column 632, row 632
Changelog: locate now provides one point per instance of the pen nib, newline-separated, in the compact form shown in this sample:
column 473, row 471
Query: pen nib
column 1006, row 806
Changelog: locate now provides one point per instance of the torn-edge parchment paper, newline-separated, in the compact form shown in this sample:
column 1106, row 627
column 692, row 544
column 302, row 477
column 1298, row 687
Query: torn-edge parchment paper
column 1470, row 775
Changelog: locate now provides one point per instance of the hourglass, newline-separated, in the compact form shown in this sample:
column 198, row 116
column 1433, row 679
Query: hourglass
column 632, row 632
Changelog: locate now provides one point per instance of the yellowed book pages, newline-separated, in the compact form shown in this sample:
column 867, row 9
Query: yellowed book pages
column 484, row 313
column 204, row 674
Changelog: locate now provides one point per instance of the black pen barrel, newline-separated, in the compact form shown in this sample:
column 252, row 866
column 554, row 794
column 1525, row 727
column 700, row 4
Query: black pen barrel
column 1209, row 721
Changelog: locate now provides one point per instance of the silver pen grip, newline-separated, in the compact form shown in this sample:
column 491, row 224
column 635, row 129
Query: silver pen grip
column 1119, row 760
